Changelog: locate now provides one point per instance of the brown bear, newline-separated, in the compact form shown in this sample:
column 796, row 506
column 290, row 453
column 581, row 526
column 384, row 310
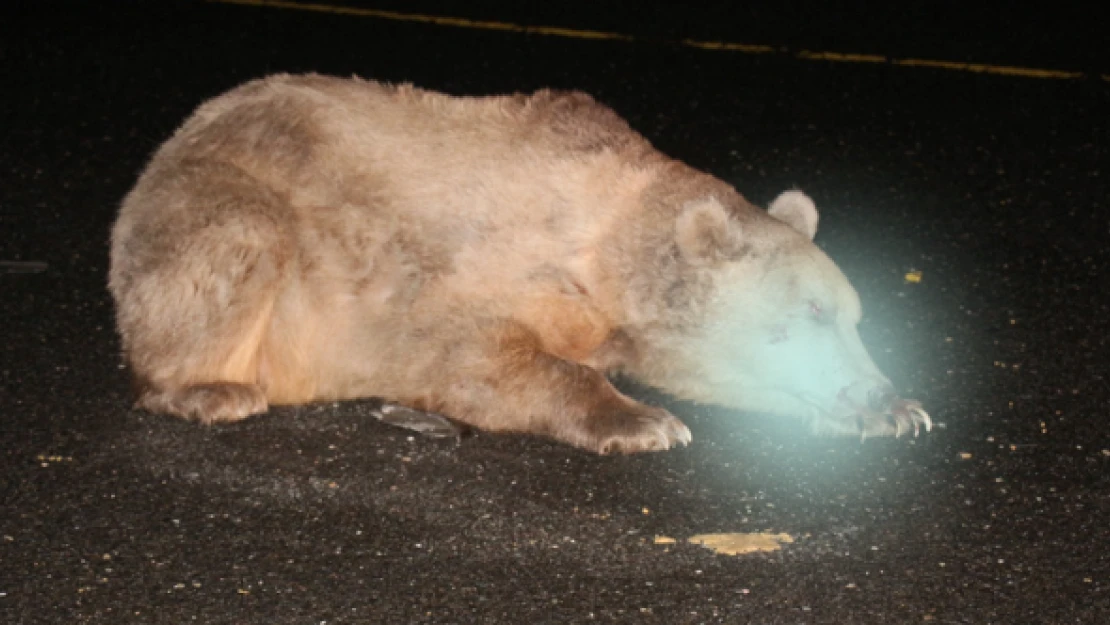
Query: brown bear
column 491, row 259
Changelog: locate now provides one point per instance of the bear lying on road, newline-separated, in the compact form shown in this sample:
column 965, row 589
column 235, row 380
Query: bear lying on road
column 307, row 238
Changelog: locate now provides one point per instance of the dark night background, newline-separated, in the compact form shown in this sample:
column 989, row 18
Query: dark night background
column 993, row 187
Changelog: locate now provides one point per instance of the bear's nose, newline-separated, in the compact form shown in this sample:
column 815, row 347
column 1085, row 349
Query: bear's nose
column 871, row 395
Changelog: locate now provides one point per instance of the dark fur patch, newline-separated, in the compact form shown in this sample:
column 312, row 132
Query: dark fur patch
column 582, row 124
column 278, row 130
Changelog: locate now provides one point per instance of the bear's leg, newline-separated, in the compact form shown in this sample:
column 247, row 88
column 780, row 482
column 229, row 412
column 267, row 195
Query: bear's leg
column 195, row 284
column 511, row 384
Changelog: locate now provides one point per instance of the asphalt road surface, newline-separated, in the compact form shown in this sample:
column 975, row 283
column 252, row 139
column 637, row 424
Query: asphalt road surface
column 989, row 186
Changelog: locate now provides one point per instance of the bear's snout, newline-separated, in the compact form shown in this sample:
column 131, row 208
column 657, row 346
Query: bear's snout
column 880, row 398
column 867, row 396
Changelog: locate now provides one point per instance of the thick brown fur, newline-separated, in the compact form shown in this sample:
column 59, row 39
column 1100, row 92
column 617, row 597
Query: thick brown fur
column 306, row 238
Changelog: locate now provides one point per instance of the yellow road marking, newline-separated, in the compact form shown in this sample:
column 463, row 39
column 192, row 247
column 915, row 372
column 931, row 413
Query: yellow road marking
column 439, row 20
column 980, row 68
column 723, row 46
column 746, row 48
column 841, row 57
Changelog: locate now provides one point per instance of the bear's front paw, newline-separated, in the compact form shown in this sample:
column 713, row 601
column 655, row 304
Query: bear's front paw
column 635, row 429
column 898, row 416
column 216, row 402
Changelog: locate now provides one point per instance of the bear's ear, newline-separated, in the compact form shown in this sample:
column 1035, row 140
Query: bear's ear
column 705, row 232
column 796, row 210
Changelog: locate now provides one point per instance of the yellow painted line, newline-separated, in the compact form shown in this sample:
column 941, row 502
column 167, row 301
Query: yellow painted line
column 458, row 22
column 839, row 57
column 574, row 33
column 980, row 68
column 747, row 48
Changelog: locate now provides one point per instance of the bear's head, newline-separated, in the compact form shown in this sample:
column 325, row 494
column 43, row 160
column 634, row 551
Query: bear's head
column 774, row 330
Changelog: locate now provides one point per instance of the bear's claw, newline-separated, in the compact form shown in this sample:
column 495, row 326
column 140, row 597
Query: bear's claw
column 898, row 416
column 908, row 413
